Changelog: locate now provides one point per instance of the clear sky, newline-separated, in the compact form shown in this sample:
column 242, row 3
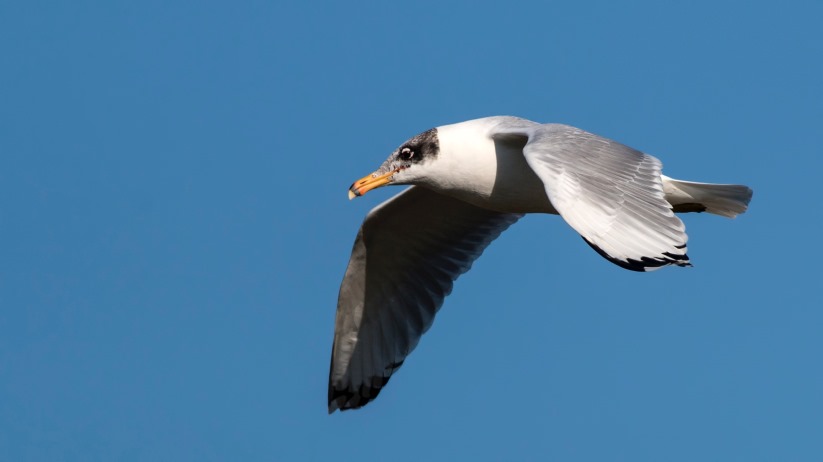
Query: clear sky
column 175, row 227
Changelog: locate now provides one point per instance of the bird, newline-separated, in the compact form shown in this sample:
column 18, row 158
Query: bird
column 469, row 182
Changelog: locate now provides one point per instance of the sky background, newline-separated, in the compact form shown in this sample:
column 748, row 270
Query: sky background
column 175, row 228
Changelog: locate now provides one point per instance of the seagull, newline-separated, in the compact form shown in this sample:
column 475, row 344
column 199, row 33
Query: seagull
column 470, row 182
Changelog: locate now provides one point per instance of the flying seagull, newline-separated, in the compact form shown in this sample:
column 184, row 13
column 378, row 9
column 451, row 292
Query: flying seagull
column 471, row 181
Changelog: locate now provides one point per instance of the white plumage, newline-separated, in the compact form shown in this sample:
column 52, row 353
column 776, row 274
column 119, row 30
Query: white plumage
column 472, row 181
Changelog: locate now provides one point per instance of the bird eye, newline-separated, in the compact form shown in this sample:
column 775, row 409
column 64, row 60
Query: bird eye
column 406, row 154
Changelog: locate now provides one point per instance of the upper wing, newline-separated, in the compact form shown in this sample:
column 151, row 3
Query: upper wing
column 408, row 253
column 609, row 193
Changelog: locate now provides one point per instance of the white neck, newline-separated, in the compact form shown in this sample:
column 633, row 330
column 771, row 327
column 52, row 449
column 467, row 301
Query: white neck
column 473, row 167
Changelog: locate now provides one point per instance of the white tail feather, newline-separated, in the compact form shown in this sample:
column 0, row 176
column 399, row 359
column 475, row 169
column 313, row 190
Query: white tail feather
column 728, row 200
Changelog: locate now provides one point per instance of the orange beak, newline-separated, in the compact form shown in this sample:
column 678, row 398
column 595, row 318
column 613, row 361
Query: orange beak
column 369, row 182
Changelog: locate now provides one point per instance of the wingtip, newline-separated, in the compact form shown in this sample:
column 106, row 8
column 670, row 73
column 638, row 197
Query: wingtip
column 645, row 264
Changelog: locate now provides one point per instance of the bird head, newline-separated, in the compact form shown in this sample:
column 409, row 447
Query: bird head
column 406, row 165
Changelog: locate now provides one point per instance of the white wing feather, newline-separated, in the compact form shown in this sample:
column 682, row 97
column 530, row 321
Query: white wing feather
column 608, row 192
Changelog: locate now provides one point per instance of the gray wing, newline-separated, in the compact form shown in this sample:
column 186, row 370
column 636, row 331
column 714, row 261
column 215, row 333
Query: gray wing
column 609, row 193
column 408, row 253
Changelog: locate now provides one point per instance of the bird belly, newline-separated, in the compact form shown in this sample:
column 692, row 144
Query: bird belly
column 506, row 184
column 524, row 193
column 516, row 187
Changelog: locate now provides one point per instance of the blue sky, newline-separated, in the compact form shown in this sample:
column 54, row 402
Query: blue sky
column 175, row 227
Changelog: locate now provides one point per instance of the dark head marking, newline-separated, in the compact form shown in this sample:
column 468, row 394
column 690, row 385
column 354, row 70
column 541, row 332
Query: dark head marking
column 423, row 146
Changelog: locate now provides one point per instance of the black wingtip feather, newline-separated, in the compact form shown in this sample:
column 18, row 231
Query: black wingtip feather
column 644, row 263
column 347, row 399
column 344, row 399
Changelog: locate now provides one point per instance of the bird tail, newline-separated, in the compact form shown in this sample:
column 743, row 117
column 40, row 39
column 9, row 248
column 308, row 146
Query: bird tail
column 728, row 200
